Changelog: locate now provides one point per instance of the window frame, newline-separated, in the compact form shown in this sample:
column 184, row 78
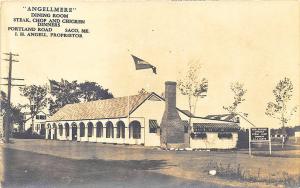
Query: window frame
column 152, row 130
column 225, row 135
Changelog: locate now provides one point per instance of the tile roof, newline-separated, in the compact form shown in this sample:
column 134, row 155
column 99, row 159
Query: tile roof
column 109, row 108
column 215, row 126
column 187, row 113
column 297, row 128
column 224, row 117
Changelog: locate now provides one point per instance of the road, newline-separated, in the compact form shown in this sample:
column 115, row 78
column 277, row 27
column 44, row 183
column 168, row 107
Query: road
column 48, row 163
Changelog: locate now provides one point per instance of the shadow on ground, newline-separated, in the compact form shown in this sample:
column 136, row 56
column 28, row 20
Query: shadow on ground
column 28, row 169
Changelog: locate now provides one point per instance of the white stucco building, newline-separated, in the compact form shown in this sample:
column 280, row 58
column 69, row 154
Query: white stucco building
column 137, row 119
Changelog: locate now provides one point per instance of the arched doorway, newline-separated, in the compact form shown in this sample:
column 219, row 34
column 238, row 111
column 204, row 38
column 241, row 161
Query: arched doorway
column 135, row 130
column 82, row 129
column 67, row 129
column 49, row 131
column 109, row 130
column 60, row 130
column 99, row 129
column 54, row 131
column 90, row 129
column 120, row 129
column 74, row 131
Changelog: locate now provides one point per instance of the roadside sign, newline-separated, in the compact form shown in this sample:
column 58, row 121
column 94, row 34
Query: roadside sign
column 260, row 134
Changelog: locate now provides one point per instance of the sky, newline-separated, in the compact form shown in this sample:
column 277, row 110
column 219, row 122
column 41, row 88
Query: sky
column 255, row 43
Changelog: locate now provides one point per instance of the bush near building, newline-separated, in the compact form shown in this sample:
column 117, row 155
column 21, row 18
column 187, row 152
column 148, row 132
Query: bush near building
column 28, row 134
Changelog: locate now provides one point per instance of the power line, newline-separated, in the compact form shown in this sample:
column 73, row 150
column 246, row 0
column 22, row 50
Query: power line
column 9, row 84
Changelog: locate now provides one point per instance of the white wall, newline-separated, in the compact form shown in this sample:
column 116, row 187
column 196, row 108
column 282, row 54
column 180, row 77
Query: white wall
column 151, row 110
column 214, row 142
column 103, row 138
column 36, row 121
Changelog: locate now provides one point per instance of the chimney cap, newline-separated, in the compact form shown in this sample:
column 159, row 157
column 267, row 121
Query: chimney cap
column 170, row 83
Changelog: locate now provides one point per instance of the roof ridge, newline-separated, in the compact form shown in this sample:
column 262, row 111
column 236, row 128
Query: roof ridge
column 102, row 108
column 115, row 98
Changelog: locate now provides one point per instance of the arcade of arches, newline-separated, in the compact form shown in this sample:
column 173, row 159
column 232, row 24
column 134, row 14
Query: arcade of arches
column 100, row 131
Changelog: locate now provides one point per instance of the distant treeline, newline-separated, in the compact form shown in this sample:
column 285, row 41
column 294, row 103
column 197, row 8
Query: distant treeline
column 51, row 99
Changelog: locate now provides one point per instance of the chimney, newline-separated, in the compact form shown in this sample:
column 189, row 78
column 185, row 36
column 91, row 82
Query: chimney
column 170, row 97
column 172, row 129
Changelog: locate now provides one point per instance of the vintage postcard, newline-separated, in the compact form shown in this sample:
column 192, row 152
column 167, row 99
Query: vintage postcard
column 149, row 94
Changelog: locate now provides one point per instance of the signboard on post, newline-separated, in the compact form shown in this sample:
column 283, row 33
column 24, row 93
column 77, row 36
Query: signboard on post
column 260, row 135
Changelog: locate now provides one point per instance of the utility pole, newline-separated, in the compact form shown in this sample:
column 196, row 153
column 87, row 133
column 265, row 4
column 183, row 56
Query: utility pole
column 9, row 85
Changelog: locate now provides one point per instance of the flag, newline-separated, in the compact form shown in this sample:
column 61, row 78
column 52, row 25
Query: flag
column 142, row 64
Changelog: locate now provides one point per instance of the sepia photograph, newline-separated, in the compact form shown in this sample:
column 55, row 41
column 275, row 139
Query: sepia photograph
column 131, row 94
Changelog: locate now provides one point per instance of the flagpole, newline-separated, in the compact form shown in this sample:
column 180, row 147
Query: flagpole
column 140, row 64
column 128, row 107
column 128, row 112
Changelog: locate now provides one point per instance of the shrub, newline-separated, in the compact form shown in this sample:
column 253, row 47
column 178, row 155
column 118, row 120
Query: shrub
column 28, row 134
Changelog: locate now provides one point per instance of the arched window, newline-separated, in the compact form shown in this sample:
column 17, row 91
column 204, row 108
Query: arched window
column 109, row 130
column 74, row 131
column 120, row 129
column 60, row 128
column 135, row 130
column 54, row 131
column 90, row 129
column 99, row 129
column 82, row 129
column 49, row 130
column 67, row 127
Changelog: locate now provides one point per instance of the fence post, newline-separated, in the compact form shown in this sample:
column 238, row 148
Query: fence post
column 249, row 130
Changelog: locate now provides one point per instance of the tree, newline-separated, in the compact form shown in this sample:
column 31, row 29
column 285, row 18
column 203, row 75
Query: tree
column 17, row 115
column 278, row 109
column 91, row 91
column 238, row 91
column 192, row 86
column 37, row 97
column 65, row 92
column 3, row 100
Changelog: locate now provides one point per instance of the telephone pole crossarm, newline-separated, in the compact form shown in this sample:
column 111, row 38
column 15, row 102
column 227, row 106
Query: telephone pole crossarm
column 20, row 85
column 13, row 78
column 10, row 60
column 11, row 54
